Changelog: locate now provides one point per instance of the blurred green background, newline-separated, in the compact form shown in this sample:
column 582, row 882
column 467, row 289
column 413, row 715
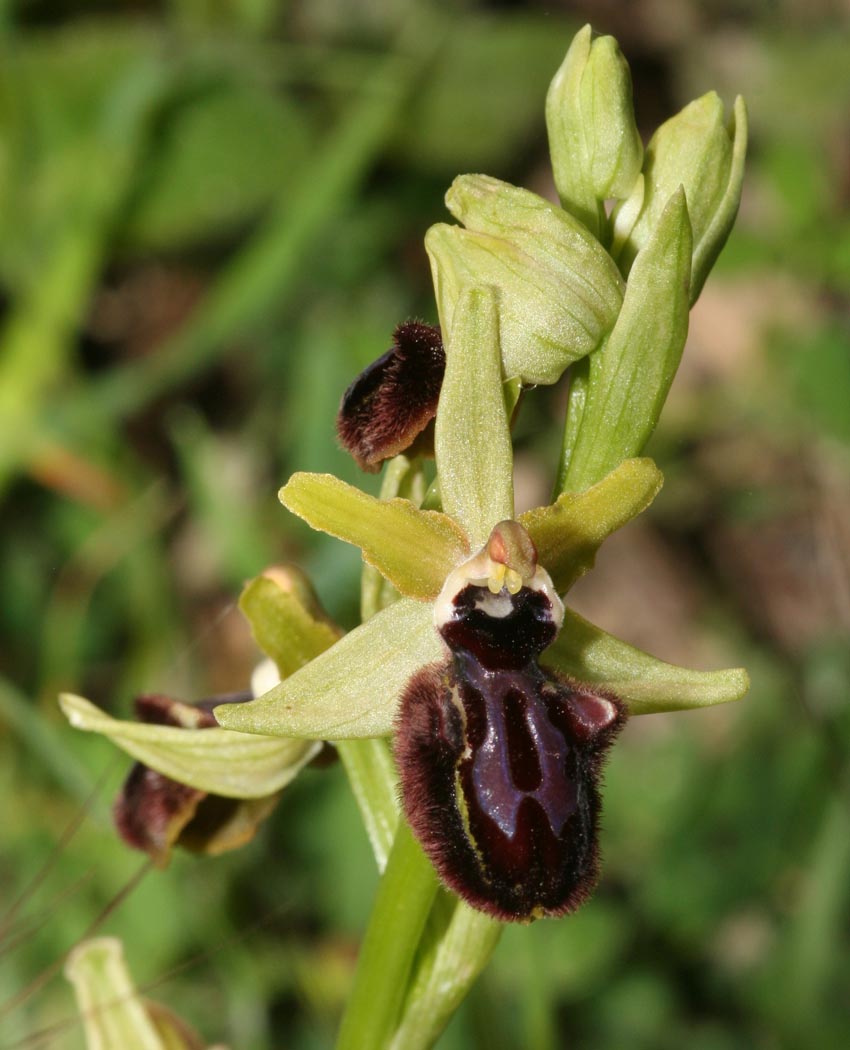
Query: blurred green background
column 211, row 216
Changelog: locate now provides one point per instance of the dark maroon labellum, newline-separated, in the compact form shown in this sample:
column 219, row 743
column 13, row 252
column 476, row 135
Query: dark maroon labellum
column 154, row 813
column 500, row 760
column 392, row 402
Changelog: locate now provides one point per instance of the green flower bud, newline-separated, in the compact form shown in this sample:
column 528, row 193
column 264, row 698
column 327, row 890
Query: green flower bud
column 559, row 290
column 696, row 150
column 621, row 396
column 593, row 139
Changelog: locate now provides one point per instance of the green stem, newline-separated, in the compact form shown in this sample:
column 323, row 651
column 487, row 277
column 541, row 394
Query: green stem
column 405, row 895
column 371, row 774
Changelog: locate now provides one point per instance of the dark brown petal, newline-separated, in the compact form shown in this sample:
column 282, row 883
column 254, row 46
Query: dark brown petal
column 392, row 402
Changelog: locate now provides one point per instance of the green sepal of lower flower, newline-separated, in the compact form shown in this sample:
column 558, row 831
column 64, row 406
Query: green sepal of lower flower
column 619, row 392
column 352, row 690
column 472, row 438
column 387, row 531
column 559, row 290
column 697, row 150
column 113, row 1014
column 212, row 760
column 568, row 533
column 645, row 684
column 286, row 619
column 594, row 142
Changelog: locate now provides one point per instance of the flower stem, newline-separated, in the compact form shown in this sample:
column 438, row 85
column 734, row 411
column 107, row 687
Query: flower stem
column 405, row 895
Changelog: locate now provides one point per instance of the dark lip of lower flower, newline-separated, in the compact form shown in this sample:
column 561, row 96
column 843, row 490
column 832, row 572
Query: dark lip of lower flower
column 154, row 813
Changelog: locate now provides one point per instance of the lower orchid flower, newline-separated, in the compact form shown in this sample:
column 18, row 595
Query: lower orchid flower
column 502, row 701
column 194, row 784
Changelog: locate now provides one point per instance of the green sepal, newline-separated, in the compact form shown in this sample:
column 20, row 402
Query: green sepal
column 414, row 549
column 559, row 290
column 353, row 689
column 694, row 149
column 286, row 624
column 629, row 377
column 472, row 439
column 213, row 760
column 646, row 685
column 290, row 627
column 594, row 142
column 568, row 533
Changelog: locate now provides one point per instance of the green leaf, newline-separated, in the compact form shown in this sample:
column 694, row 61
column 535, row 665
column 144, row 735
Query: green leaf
column 212, row 760
column 112, row 1013
column 568, row 533
column 559, row 291
column 695, row 150
column 414, row 549
column 472, row 440
column 593, row 139
column 630, row 376
column 353, row 689
column 645, row 684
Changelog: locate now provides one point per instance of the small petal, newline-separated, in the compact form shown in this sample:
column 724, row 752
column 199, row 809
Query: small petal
column 212, row 760
column 568, row 533
column 392, row 401
column 646, row 685
column 473, row 440
column 350, row 691
column 413, row 549
column 630, row 376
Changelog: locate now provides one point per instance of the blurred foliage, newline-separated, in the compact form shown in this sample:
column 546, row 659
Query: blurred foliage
column 211, row 216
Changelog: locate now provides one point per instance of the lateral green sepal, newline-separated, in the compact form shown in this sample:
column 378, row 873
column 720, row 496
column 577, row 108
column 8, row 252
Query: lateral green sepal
column 350, row 691
column 645, row 684
column 212, row 760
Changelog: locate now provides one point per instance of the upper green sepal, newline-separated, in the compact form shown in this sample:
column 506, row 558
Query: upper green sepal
column 697, row 150
column 617, row 403
column 594, row 142
column 559, row 290
column 472, row 438
column 646, row 685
